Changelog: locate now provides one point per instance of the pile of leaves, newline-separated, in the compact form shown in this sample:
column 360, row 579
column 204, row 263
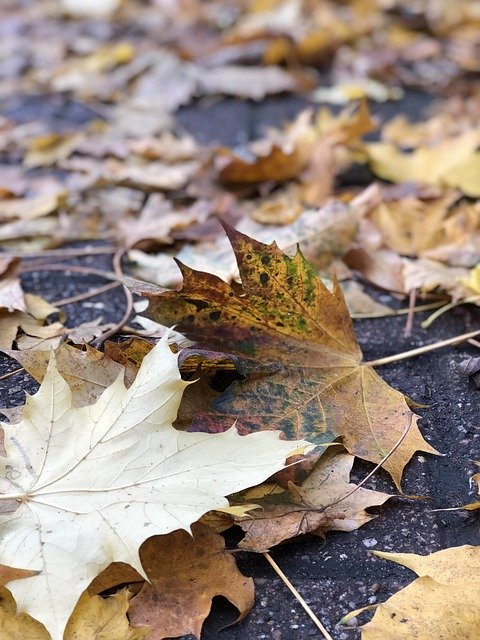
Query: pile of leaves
column 144, row 444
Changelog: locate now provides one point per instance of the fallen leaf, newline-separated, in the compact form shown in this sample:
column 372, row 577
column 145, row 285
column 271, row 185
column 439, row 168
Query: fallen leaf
column 29, row 208
column 165, row 478
column 12, row 297
column 441, row 603
column 97, row 618
column 427, row 275
column 295, row 340
column 439, row 164
column 472, row 281
column 18, row 625
column 319, row 505
column 184, row 574
column 48, row 149
column 87, row 373
column 246, row 82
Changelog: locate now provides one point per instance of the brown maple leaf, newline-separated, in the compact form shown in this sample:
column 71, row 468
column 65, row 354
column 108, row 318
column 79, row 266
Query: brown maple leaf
column 185, row 573
column 294, row 341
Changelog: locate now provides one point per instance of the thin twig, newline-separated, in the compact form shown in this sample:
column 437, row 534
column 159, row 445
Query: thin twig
column 407, row 332
column 405, row 355
column 474, row 343
column 378, row 466
column 426, row 323
column 73, row 268
column 11, row 373
column 117, row 265
column 288, row 584
column 89, row 294
column 60, row 253
column 398, row 312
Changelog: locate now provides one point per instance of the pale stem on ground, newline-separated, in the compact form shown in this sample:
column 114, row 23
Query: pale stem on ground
column 405, row 355
column 288, row 584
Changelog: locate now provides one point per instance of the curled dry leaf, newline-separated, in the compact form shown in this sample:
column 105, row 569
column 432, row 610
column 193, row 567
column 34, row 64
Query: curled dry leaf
column 184, row 575
column 319, row 505
column 294, row 340
column 92, row 483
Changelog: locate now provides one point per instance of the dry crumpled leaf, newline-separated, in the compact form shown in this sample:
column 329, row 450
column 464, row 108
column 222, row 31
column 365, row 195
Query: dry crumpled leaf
column 295, row 340
column 184, row 575
column 323, row 235
column 36, row 334
column 304, row 150
column 318, row 505
column 443, row 602
column 165, row 478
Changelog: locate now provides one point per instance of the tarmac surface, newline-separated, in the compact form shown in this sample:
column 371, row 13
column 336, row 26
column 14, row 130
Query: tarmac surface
column 337, row 574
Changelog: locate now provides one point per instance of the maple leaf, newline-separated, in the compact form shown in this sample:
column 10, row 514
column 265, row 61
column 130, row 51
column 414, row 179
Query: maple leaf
column 319, row 505
column 295, row 340
column 94, row 482
column 184, row 576
column 441, row 603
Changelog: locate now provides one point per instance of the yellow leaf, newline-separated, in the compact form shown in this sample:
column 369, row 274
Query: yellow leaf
column 97, row 618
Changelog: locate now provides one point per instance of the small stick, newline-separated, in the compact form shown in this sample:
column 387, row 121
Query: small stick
column 407, row 332
column 288, row 584
column 89, row 294
column 108, row 275
column 117, row 264
column 429, row 347
column 473, row 342
column 426, row 323
column 398, row 312
column 60, row 253
column 11, row 373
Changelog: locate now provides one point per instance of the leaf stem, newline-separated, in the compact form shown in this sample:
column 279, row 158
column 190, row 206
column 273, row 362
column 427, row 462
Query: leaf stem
column 288, row 584
column 405, row 355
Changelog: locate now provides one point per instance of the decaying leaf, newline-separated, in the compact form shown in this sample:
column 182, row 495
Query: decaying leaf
column 184, row 575
column 93, row 483
column 442, row 602
column 319, row 505
column 294, row 340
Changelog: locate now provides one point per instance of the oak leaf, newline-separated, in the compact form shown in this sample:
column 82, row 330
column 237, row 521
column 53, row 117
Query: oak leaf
column 294, row 340
column 441, row 603
column 94, row 482
column 185, row 574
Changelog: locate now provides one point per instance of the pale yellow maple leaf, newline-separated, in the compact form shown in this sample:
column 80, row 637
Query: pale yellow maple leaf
column 441, row 603
column 94, row 482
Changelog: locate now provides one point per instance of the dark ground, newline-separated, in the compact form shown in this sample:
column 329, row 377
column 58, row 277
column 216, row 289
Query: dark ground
column 338, row 574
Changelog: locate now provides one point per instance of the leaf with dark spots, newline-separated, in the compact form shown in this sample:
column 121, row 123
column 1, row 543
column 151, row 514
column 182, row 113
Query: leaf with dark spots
column 294, row 340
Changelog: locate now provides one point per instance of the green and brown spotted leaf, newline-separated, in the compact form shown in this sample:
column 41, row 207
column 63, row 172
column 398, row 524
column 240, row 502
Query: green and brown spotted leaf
column 294, row 341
